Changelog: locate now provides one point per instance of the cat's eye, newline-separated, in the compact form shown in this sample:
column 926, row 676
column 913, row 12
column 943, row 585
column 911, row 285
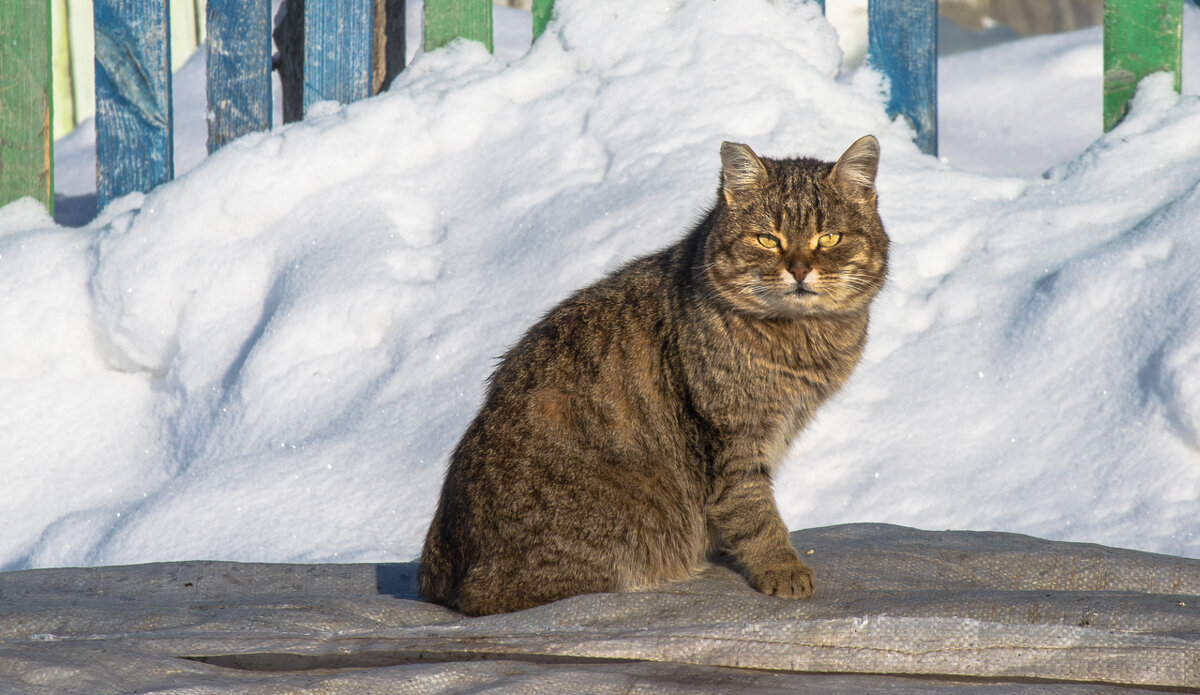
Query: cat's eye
column 768, row 241
column 827, row 240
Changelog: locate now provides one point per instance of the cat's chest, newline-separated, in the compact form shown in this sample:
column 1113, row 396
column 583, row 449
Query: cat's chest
column 774, row 377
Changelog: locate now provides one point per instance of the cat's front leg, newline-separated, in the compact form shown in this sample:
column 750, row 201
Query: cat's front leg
column 743, row 510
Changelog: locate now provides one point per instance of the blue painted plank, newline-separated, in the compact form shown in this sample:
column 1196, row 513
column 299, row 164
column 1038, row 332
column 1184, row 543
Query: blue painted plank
column 338, row 49
column 133, row 97
column 239, row 69
column 903, row 46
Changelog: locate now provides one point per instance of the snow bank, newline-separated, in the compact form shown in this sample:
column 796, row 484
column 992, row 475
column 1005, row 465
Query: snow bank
column 270, row 358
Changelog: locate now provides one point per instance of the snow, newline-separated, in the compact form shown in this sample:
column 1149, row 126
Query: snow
column 270, row 358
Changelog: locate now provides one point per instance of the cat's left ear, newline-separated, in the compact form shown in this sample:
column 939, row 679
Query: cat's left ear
column 855, row 170
column 742, row 173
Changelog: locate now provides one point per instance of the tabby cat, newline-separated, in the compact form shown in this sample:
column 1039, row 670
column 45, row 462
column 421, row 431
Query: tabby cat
column 633, row 431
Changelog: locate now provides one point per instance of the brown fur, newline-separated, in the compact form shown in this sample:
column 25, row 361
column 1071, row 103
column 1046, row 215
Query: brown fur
column 634, row 429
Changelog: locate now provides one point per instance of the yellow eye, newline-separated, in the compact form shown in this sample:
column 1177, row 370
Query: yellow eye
column 768, row 241
column 830, row 239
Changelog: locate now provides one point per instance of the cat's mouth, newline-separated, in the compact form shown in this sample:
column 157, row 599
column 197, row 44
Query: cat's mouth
column 804, row 291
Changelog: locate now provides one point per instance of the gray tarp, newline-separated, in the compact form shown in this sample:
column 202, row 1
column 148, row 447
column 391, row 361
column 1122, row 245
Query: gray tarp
column 953, row 612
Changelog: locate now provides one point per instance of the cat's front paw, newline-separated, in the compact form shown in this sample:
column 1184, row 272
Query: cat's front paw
column 788, row 578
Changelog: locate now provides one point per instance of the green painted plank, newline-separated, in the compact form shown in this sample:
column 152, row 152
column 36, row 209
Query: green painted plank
column 541, row 16
column 1140, row 37
column 26, row 112
column 446, row 20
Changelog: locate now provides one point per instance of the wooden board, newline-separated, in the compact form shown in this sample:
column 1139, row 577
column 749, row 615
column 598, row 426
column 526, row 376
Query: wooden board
column 62, row 81
column 133, row 97
column 338, row 48
column 239, row 69
column 542, row 10
column 389, row 42
column 446, row 20
column 1140, row 37
column 903, row 46
column 26, row 140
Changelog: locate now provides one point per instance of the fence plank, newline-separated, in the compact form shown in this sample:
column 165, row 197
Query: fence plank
column 338, row 47
column 184, row 37
column 903, row 45
column 26, row 139
column 541, row 16
column 82, row 36
column 62, row 80
column 390, row 52
column 1140, row 38
column 133, row 97
column 239, row 69
column 446, row 20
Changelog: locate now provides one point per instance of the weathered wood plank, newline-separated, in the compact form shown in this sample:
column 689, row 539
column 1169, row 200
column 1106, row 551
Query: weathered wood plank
column 289, row 39
column 133, row 97
column 26, row 137
column 338, row 47
column 542, row 9
column 1140, row 37
column 239, row 69
column 63, row 78
column 185, row 35
column 903, row 45
column 390, row 53
column 446, row 20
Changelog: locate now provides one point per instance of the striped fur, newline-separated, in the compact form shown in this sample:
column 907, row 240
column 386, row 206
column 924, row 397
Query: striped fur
column 634, row 430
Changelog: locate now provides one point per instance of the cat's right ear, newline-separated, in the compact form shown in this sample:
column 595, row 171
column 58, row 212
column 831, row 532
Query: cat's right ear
column 742, row 173
column 855, row 170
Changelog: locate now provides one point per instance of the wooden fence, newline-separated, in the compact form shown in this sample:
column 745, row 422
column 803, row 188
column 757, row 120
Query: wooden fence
column 340, row 61
column 74, row 59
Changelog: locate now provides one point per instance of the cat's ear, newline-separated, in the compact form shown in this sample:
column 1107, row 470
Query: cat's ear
column 855, row 170
column 742, row 173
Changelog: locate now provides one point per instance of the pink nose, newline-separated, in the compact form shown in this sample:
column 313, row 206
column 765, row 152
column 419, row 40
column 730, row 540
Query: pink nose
column 800, row 271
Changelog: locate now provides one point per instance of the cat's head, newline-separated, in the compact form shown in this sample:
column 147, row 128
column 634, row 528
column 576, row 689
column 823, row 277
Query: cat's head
column 796, row 237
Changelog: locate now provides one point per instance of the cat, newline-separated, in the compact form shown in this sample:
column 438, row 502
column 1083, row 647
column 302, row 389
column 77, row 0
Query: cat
column 634, row 430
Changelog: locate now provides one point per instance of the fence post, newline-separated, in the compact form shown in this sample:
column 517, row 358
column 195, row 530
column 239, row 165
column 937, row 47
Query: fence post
column 446, row 20
column 1140, row 38
column 338, row 48
column 239, row 69
column 133, row 97
column 902, row 35
column 26, row 112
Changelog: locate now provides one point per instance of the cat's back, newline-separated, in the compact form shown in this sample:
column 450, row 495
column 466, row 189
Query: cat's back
column 580, row 415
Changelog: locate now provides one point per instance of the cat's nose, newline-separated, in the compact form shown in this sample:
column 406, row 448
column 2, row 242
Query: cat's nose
column 800, row 271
